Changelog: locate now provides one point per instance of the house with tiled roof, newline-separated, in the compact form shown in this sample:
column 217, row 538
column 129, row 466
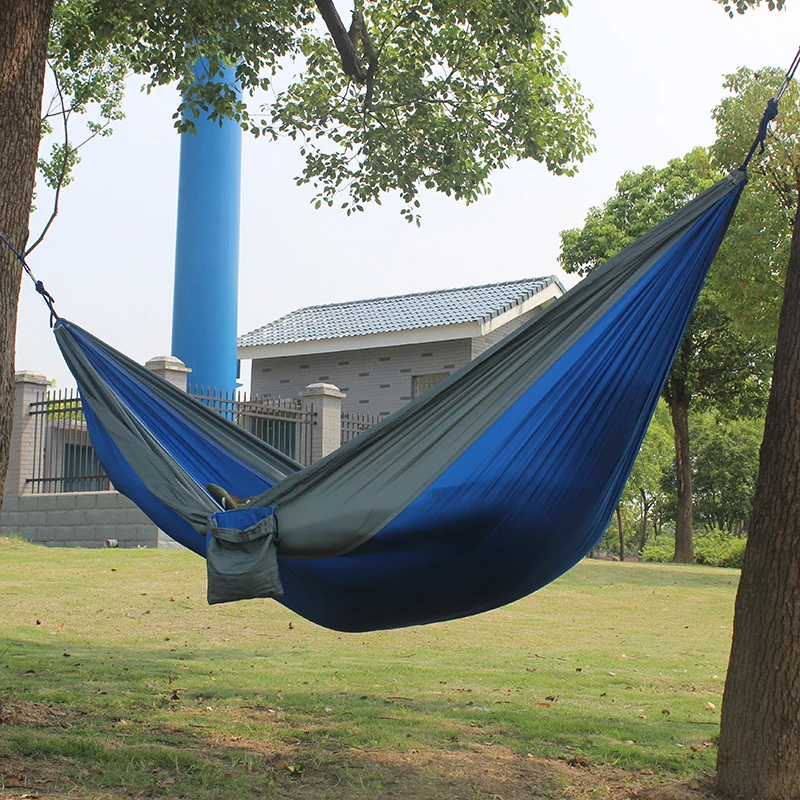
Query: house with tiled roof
column 385, row 351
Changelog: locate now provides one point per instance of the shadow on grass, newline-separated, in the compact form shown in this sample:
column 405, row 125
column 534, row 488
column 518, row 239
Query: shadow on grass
column 221, row 723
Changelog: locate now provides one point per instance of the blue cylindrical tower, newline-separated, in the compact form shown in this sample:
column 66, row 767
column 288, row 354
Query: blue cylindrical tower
column 205, row 300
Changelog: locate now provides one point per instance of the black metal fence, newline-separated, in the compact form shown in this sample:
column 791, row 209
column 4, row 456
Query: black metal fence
column 63, row 459
column 284, row 423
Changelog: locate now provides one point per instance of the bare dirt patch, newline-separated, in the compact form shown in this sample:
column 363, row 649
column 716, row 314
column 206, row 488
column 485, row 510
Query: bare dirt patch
column 32, row 715
column 298, row 773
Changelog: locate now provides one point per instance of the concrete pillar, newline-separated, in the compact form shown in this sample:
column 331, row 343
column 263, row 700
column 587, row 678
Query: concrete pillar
column 28, row 388
column 171, row 369
column 327, row 402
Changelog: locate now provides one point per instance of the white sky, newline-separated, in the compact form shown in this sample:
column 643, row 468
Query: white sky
column 653, row 71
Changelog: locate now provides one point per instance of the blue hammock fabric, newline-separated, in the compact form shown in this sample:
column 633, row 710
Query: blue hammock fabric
column 474, row 495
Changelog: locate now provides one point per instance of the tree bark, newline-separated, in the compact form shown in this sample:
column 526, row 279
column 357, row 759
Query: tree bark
column 24, row 29
column 759, row 746
column 621, row 535
column 678, row 400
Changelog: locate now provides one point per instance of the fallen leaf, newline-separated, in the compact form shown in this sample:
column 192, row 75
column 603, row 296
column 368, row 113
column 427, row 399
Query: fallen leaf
column 578, row 761
column 546, row 705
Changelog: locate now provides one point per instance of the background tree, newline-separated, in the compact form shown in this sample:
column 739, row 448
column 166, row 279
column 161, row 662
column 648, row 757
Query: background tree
column 433, row 94
column 644, row 487
column 638, row 511
column 750, row 271
column 725, row 469
column 716, row 364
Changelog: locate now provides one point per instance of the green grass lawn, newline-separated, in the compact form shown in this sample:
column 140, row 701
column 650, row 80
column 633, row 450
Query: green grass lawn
column 119, row 681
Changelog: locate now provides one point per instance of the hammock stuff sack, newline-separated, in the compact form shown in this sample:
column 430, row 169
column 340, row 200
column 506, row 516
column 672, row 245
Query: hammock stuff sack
column 475, row 494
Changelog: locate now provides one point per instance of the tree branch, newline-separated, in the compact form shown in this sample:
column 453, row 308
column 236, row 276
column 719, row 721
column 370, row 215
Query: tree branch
column 64, row 164
column 347, row 48
column 346, row 43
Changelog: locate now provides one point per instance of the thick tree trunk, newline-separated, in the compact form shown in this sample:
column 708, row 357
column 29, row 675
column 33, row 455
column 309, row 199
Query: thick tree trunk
column 24, row 28
column 678, row 401
column 621, row 535
column 759, row 746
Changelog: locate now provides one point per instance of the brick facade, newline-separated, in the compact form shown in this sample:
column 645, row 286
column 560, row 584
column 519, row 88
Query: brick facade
column 377, row 381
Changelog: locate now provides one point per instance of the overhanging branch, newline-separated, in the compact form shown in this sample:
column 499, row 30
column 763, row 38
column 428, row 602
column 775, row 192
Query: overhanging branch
column 346, row 43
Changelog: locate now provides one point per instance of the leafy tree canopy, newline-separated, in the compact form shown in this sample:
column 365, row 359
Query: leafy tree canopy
column 740, row 6
column 641, row 200
column 749, row 273
column 432, row 93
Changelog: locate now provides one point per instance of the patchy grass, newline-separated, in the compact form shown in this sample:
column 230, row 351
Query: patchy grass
column 118, row 681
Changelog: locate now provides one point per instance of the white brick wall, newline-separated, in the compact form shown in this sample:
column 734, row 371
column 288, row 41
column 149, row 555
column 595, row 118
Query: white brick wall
column 376, row 381
column 482, row 343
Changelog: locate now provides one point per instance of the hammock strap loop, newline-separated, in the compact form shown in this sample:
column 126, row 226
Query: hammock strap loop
column 38, row 285
column 771, row 112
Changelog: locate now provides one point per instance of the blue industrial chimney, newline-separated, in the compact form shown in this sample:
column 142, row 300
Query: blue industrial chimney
column 205, row 301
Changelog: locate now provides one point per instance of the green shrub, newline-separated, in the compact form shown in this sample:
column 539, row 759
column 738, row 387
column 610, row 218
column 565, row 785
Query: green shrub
column 660, row 551
column 718, row 548
column 715, row 548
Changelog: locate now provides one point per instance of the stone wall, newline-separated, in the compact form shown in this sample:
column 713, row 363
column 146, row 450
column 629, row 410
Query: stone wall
column 85, row 519
column 88, row 519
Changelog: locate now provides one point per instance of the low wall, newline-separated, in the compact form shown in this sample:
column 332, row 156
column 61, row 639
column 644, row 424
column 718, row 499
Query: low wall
column 87, row 519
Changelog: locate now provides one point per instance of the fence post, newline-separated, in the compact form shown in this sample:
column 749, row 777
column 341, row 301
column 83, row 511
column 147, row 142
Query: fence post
column 28, row 388
column 171, row 369
column 327, row 402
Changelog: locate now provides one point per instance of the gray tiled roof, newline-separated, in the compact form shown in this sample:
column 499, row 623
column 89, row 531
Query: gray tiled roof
column 403, row 312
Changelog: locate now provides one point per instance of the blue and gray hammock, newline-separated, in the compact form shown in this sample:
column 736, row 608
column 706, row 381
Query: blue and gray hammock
column 475, row 494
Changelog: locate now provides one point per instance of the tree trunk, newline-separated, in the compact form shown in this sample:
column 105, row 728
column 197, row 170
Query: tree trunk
column 759, row 746
column 621, row 535
column 643, row 530
column 24, row 29
column 678, row 401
